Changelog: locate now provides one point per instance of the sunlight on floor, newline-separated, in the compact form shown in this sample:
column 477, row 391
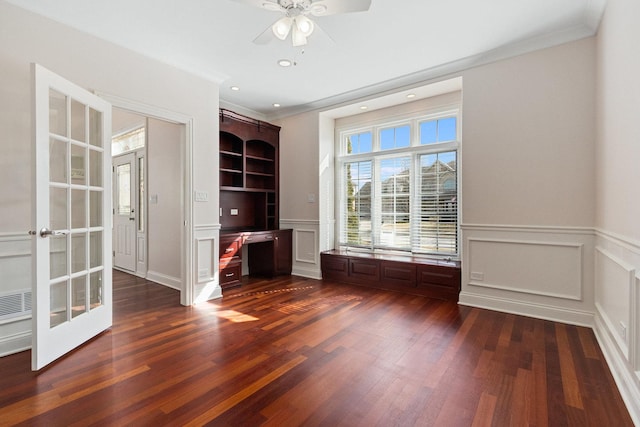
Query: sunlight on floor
column 235, row 316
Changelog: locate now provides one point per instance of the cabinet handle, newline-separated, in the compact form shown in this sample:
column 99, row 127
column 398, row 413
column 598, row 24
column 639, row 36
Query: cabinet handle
column 229, row 275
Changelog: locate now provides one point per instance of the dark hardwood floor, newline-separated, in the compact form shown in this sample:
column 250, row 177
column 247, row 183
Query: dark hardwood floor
column 296, row 351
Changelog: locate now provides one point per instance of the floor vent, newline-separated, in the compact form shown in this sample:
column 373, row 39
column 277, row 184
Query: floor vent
column 15, row 304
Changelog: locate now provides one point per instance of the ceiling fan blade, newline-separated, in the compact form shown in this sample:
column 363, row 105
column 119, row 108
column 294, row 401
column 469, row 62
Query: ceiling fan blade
column 264, row 37
column 334, row 7
column 272, row 5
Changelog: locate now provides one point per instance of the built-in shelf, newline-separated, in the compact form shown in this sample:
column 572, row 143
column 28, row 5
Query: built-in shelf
column 248, row 172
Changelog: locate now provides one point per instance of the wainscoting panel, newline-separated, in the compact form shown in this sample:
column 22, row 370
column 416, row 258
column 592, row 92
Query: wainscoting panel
column 206, row 263
column 306, row 254
column 15, row 292
column 614, row 283
column 617, row 325
column 544, row 272
column 527, row 266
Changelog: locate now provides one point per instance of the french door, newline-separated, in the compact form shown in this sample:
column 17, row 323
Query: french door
column 72, row 299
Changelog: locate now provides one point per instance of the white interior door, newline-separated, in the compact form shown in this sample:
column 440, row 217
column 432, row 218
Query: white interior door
column 124, row 212
column 72, row 299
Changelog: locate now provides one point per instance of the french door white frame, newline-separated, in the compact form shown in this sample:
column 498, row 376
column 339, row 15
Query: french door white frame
column 187, row 291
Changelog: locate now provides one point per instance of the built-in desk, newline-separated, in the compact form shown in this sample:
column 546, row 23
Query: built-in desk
column 268, row 252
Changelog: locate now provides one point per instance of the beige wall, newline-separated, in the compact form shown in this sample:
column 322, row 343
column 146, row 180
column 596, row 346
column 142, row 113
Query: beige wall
column 618, row 148
column 528, row 139
column 617, row 266
column 164, row 217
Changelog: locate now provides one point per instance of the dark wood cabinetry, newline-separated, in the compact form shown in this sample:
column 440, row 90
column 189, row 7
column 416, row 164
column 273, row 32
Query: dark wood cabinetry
column 249, row 215
column 413, row 275
column 249, row 166
column 268, row 253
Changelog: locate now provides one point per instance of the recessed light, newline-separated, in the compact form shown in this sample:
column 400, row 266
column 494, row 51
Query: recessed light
column 236, row 88
column 411, row 95
column 363, row 107
column 284, row 63
column 275, row 104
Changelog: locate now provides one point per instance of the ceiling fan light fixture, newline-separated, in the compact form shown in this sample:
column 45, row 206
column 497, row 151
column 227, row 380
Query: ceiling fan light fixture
column 282, row 27
column 304, row 25
column 297, row 38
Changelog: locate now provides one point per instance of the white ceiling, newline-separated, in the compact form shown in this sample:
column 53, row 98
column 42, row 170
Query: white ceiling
column 397, row 44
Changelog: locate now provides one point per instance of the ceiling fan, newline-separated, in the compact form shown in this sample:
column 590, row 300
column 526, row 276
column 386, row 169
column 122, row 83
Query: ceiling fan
column 296, row 16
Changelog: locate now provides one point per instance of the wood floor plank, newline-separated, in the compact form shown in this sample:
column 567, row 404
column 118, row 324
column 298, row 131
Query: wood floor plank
column 303, row 352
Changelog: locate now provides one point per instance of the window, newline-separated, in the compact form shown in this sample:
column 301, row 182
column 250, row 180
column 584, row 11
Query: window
column 398, row 186
column 128, row 141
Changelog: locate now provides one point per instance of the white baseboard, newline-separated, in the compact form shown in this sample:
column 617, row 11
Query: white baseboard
column 539, row 311
column 628, row 383
column 310, row 273
column 12, row 344
column 163, row 279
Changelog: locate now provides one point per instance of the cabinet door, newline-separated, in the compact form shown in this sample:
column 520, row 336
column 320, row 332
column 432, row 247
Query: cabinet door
column 282, row 251
column 398, row 274
column 334, row 267
column 364, row 269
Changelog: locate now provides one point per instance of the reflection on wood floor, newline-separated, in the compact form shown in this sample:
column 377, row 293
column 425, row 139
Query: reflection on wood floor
column 295, row 351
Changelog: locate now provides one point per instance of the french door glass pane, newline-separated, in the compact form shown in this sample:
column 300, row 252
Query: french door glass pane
column 95, row 208
column 58, row 256
column 57, row 161
column 78, row 208
column 95, row 128
column 95, row 289
column 95, row 168
column 58, row 306
column 58, row 208
column 78, row 252
column 57, row 113
column 78, row 296
column 78, row 121
column 95, row 249
column 78, row 169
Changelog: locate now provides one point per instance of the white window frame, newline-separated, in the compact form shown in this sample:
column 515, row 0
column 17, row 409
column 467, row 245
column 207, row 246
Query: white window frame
column 414, row 150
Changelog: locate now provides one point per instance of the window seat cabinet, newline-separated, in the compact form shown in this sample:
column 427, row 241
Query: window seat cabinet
column 412, row 275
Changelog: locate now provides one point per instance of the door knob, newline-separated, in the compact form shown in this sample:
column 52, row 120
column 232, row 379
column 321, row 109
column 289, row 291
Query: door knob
column 45, row 232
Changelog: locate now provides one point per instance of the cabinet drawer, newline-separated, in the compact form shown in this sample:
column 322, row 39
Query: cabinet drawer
column 429, row 275
column 398, row 273
column 364, row 269
column 225, row 262
column 258, row 237
column 229, row 248
column 230, row 274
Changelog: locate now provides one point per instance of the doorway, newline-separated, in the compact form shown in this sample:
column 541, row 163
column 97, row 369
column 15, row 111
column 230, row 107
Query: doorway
column 148, row 190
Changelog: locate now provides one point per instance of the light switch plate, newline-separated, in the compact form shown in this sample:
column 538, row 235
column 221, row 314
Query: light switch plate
column 202, row 196
column 234, row 211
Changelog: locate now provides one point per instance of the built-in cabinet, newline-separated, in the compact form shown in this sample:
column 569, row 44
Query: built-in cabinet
column 249, row 215
column 248, row 173
column 413, row 275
